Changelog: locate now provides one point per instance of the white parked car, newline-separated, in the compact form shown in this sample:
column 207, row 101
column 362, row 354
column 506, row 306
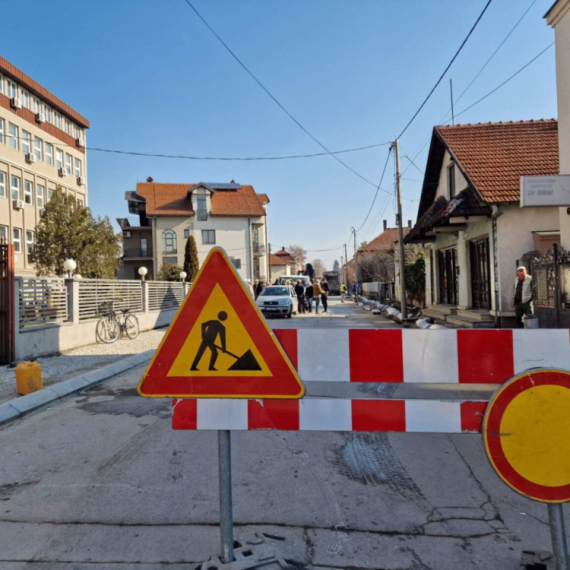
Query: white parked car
column 277, row 300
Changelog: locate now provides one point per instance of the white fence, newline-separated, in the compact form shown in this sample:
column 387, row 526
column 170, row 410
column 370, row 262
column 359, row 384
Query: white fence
column 164, row 295
column 94, row 292
column 41, row 302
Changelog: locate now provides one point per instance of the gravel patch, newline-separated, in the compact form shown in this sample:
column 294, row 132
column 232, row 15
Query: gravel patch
column 81, row 360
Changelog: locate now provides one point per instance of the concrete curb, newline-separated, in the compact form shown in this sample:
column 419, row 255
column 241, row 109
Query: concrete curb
column 19, row 407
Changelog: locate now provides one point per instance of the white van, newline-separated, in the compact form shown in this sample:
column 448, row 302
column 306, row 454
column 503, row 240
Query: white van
column 293, row 279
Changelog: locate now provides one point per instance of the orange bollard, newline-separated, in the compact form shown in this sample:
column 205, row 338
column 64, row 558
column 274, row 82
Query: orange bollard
column 28, row 378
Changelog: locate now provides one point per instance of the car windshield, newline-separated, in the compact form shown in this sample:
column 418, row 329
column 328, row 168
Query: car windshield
column 274, row 291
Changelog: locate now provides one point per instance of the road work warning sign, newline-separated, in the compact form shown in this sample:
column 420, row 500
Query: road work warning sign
column 219, row 345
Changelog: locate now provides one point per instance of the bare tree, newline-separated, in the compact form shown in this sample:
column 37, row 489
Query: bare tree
column 319, row 266
column 298, row 254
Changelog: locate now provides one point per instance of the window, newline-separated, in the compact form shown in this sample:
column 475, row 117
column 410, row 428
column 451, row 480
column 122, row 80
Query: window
column 169, row 241
column 208, row 236
column 12, row 89
column 77, row 167
column 26, row 141
column 1, row 84
column 17, row 240
column 13, row 136
column 202, row 211
column 25, row 99
column 48, row 114
column 236, row 262
column 15, row 187
column 59, row 158
column 40, row 193
column 451, row 180
column 80, row 203
column 67, row 126
column 68, row 162
column 37, row 106
column 38, row 143
column 144, row 247
column 57, row 119
column 29, row 242
column 27, row 192
column 3, row 233
column 186, row 234
column 49, row 153
column 169, row 260
column 50, row 195
column 2, row 130
column 2, row 185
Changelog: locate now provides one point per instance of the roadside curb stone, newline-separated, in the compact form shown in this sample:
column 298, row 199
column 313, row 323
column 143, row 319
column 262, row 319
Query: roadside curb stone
column 18, row 407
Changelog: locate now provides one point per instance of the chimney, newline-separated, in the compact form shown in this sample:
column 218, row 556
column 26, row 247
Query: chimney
column 150, row 179
column 410, row 224
column 385, row 224
column 233, row 182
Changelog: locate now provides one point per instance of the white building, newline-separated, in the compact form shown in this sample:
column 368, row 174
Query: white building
column 228, row 215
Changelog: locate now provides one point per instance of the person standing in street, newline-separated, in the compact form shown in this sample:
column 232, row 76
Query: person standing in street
column 523, row 295
column 258, row 288
column 300, row 292
column 326, row 291
column 342, row 292
column 317, row 293
column 309, row 296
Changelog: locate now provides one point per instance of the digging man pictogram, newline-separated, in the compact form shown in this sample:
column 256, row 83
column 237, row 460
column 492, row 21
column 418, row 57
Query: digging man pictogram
column 210, row 332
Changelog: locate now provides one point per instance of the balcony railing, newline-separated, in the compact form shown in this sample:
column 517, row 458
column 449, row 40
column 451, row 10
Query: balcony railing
column 202, row 215
column 258, row 249
column 135, row 252
column 133, row 222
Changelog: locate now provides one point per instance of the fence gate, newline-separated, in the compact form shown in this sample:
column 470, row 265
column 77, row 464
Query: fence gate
column 6, row 302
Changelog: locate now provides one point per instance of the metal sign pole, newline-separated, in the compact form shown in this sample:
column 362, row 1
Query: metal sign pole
column 559, row 546
column 225, row 476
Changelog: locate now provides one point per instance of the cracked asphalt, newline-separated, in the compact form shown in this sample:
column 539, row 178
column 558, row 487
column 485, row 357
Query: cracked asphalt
column 101, row 481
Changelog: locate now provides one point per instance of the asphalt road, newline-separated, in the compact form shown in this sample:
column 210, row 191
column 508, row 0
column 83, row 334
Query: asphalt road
column 101, row 481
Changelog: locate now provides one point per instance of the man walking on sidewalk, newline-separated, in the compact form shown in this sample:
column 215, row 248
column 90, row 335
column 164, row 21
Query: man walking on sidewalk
column 523, row 295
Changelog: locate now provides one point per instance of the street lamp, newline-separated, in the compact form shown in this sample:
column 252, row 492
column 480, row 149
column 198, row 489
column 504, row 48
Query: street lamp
column 183, row 275
column 69, row 265
column 142, row 272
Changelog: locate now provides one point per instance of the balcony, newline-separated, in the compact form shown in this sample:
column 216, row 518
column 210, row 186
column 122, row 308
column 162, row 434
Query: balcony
column 202, row 215
column 137, row 253
column 133, row 222
column 258, row 249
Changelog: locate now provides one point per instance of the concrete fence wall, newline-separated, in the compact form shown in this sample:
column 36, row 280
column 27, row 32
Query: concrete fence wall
column 41, row 330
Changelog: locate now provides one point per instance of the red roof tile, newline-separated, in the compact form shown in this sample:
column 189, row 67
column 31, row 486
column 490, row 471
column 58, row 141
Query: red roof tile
column 274, row 260
column 263, row 198
column 495, row 155
column 384, row 241
column 172, row 200
column 284, row 256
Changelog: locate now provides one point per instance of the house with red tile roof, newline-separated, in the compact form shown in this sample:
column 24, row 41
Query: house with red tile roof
column 229, row 215
column 282, row 263
column 470, row 219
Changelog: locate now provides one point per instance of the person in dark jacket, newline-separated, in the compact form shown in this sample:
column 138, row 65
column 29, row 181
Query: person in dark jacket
column 258, row 288
column 325, row 294
column 309, row 296
column 300, row 292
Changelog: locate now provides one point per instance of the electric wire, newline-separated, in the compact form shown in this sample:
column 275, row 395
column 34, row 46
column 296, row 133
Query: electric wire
column 445, row 70
column 273, row 98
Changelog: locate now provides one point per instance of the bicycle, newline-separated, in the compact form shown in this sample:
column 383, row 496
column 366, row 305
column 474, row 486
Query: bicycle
column 110, row 326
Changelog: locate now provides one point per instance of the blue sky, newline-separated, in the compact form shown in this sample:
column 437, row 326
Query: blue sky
column 152, row 78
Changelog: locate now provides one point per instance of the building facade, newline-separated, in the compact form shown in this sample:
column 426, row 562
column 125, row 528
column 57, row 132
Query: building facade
column 42, row 146
column 470, row 220
column 166, row 215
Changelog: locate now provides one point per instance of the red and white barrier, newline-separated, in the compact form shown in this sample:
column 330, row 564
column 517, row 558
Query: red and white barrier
column 432, row 356
column 329, row 414
column 365, row 355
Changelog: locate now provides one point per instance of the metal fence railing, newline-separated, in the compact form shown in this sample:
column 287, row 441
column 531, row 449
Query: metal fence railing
column 95, row 292
column 42, row 301
column 164, row 295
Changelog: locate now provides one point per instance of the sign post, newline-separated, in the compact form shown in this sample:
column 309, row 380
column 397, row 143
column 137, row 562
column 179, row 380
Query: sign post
column 526, row 432
column 220, row 346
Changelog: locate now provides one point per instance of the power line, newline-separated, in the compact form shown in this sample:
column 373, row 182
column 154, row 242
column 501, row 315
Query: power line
column 445, row 70
column 273, row 98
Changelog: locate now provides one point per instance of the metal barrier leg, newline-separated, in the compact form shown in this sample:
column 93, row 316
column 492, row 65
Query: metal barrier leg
column 559, row 546
column 225, row 476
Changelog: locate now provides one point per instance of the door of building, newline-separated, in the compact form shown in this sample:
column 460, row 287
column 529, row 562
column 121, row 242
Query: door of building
column 447, row 263
column 6, row 302
column 480, row 274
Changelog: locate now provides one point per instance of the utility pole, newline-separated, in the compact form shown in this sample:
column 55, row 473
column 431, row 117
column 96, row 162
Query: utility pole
column 269, row 262
column 346, row 269
column 451, row 92
column 355, row 261
column 401, row 235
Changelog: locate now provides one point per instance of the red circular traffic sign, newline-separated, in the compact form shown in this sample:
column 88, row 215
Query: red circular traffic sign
column 526, row 431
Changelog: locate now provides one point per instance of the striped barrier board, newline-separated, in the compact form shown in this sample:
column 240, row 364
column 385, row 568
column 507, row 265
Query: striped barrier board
column 460, row 357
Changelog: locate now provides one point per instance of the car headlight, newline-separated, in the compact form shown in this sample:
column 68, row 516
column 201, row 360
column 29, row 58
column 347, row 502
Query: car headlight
column 283, row 301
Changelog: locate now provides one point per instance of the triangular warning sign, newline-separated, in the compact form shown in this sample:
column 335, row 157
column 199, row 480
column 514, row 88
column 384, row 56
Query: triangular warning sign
column 219, row 345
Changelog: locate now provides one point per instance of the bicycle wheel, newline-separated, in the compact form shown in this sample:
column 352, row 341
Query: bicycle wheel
column 107, row 330
column 132, row 326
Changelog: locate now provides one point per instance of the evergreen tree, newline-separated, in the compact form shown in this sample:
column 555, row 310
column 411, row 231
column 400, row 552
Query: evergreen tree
column 336, row 265
column 191, row 263
column 66, row 231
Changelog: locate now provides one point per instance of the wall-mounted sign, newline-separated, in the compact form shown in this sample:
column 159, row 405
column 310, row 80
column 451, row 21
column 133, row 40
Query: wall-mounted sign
column 545, row 190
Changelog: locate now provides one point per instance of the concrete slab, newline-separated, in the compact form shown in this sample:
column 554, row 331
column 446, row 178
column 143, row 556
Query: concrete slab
column 97, row 375
column 8, row 413
column 34, row 401
column 69, row 386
